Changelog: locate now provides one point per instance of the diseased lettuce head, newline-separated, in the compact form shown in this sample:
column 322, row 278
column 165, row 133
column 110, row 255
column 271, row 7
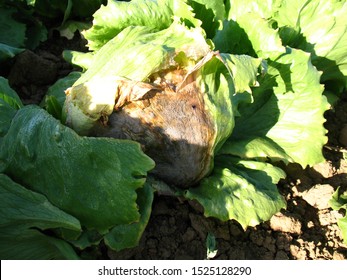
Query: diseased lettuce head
column 166, row 90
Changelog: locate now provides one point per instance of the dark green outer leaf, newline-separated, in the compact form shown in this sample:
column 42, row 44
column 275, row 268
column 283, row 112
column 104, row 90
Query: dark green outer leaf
column 12, row 32
column 31, row 244
column 85, row 8
column 9, row 103
column 22, row 210
column 58, row 88
column 36, row 33
column 9, row 95
column 68, row 8
column 128, row 236
column 53, row 107
column 19, row 28
column 52, row 9
column 7, row 52
column 93, row 179
column 6, row 115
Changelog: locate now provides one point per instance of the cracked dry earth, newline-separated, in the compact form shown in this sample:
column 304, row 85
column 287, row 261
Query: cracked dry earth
column 307, row 229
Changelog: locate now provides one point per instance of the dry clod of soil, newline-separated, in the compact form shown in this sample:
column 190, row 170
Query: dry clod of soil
column 281, row 222
column 323, row 169
column 328, row 217
column 42, row 71
column 338, row 256
column 318, row 196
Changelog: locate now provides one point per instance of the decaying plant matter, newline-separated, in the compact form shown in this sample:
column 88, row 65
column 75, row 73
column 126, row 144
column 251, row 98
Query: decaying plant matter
column 167, row 116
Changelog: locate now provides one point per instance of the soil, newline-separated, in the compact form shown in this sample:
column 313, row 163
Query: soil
column 177, row 229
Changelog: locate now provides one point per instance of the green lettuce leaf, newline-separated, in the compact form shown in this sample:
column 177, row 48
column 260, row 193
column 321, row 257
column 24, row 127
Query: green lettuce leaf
column 244, row 70
column 6, row 115
column 65, row 8
column 339, row 201
column 318, row 27
column 70, row 27
column 80, row 59
column 215, row 82
column 23, row 208
column 19, row 28
column 22, row 213
column 315, row 26
column 249, row 34
column 12, row 32
column 128, row 236
column 285, row 122
column 55, row 96
column 242, row 190
column 52, row 9
column 58, row 88
column 9, row 104
column 342, row 223
column 137, row 52
column 94, row 180
column 7, row 52
column 211, row 14
column 217, row 7
column 31, row 244
column 9, row 95
column 85, row 8
column 265, row 9
column 156, row 15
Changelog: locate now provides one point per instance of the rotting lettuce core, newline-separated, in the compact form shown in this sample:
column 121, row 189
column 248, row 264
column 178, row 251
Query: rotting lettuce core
column 180, row 112
column 92, row 101
column 175, row 122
